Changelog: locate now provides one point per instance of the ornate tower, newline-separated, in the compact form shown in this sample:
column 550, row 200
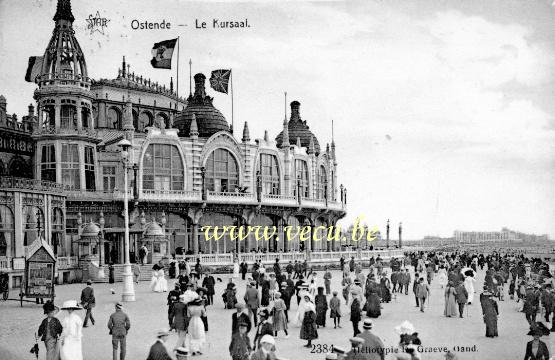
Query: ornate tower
column 65, row 131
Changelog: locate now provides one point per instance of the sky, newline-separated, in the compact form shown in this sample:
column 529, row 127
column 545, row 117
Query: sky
column 443, row 110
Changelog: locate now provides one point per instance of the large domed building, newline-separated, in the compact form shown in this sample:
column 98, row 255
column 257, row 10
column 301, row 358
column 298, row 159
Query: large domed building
column 186, row 170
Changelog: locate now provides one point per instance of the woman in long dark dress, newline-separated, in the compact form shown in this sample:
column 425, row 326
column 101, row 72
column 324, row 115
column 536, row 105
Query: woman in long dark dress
column 321, row 307
column 385, row 286
column 230, row 296
column 356, row 315
column 490, row 311
column 373, row 307
column 286, row 296
column 265, row 300
column 308, row 327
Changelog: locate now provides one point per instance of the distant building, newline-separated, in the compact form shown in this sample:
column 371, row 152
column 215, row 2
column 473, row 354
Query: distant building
column 505, row 235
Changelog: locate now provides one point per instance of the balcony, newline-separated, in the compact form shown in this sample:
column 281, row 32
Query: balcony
column 51, row 130
column 30, row 185
column 46, row 80
column 230, row 197
column 170, row 196
column 91, row 195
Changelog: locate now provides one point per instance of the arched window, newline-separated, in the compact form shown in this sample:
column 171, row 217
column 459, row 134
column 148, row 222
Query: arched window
column 222, row 171
column 33, row 222
column 113, row 118
column 162, row 168
column 322, row 183
column 301, row 176
column 161, row 117
column 269, row 173
column 135, row 120
column 68, row 117
column 19, row 167
column 7, row 232
column 57, row 231
column 145, row 120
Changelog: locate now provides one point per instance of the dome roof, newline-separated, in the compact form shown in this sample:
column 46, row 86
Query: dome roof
column 298, row 129
column 154, row 230
column 90, row 230
column 209, row 119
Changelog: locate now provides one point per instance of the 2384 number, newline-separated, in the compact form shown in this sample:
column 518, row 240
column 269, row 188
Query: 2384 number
column 321, row 348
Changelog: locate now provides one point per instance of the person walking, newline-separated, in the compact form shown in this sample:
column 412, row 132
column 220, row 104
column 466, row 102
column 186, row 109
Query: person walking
column 355, row 315
column 266, row 350
column 536, row 349
column 265, row 327
column 158, row 350
column 136, row 273
column 462, row 297
column 197, row 336
column 450, row 301
column 415, row 288
column 49, row 331
column 244, row 269
column 405, row 281
column 240, row 347
column 72, row 332
column 253, row 302
column 321, row 308
column 180, row 320
column 88, row 302
column 422, row 292
column 209, row 283
column 119, row 326
column 238, row 318
column 280, row 317
column 372, row 348
column 469, row 282
column 327, row 280
column 308, row 327
column 490, row 312
column 335, row 310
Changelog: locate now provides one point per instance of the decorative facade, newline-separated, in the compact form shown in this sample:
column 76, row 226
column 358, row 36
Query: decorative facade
column 187, row 168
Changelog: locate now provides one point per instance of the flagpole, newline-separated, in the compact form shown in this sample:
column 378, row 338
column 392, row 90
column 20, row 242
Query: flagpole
column 190, row 81
column 231, row 81
column 177, row 91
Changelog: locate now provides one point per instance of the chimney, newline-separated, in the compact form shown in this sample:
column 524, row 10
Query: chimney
column 295, row 113
column 199, row 85
column 31, row 110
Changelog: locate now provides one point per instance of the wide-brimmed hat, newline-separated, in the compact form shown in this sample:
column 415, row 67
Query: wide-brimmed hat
column 89, row 282
column 339, row 350
column 268, row 339
column 284, row 283
column 367, row 324
column 182, row 351
column 535, row 332
column 71, row 305
column 356, row 340
column 240, row 306
column 49, row 307
column 162, row 332
column 196, row 302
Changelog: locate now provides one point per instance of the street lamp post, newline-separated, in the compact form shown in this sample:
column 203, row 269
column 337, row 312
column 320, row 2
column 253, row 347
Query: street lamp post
column 128, row 293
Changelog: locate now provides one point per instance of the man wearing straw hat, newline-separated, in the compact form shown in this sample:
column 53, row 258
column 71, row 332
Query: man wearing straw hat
column 119, row 325
column 49, row 330
column 158, row 349
column 372, row 348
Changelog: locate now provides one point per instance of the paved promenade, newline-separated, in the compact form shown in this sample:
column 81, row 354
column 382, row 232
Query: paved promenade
column 149, row 313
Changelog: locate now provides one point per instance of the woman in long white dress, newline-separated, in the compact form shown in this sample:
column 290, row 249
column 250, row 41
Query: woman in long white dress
column 70, row 339
column 154, row 278
column 442, row 276
column 469, row 286
column 162, row 285
column 236, row 268
column 303, row 306
column 197, row 336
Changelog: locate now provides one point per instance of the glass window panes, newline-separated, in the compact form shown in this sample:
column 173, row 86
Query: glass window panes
column 222, row 173
column 108, row 178
column 301, row 175
column 48, row 163
column 70, row 166
column 269, row 173
column 163, row 168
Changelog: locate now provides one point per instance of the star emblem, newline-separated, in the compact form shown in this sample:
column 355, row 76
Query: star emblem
column 97, row 23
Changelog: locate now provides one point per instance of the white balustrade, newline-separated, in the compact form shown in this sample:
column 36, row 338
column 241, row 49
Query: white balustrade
column 170, row 195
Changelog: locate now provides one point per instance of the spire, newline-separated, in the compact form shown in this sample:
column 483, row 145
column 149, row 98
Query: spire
column 266, row 137
column 123, row 67
column 295, row 112
column 311, row 148
column 328, row 149
column 171, row 84
column 285, row 141
column 63, row 11
column 193, row 132
column 298, row 142
column 332, row 143
column 246, row 135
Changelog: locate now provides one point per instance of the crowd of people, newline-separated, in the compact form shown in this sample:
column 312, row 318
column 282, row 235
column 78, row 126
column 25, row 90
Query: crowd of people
column 263, row 311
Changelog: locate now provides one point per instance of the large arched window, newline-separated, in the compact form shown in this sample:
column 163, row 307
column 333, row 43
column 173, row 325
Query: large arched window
column 222, row 172
column 113, row 118
column 162, row 168
column 33, row 224
column 57, row 231
column 145, row 120
column 301, row 176
column 269, row 173
column 7, row 232
column 322, row 183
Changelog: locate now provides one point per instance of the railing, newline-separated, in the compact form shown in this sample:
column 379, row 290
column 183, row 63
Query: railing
column 67, row 262
column 63, row 79
column 73, row 194
column 270, row 258
column 230, row 197
column 10, row 183
column 51, row 130
column 271, row 199
column 170, row 195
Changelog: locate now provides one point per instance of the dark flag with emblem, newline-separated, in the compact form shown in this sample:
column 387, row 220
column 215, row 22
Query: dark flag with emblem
column 34, row 68
column 162, row 54
column 219, row 80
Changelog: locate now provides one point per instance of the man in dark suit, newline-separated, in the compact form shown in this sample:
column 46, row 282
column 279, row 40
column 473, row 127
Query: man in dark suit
column 158, row 350
column 253, row 302
column 462, row 297
column 372, row 347
column 238, row 318
column 88, row 302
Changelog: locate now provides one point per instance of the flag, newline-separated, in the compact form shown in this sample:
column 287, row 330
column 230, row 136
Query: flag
column 34, row 68
column 219, row 80
column 162, row 54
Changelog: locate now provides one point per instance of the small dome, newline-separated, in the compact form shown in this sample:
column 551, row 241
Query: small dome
column 298, row 129
column 153, row 230
column 90, row 230
column 209, row 119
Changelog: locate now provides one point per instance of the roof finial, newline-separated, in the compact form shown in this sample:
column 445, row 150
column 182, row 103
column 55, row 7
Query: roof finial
column 63, row 11
column 246, row 134
column 123, row 67
column 311, row 148
column 298, row 142
column 193, row 132
column 266, row 137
